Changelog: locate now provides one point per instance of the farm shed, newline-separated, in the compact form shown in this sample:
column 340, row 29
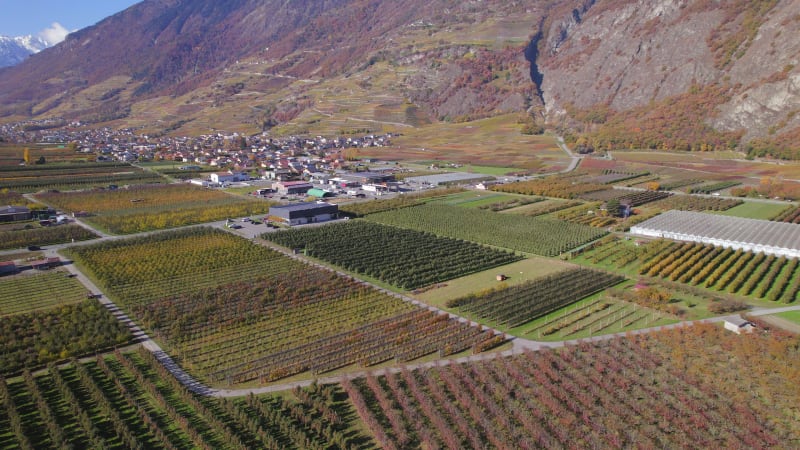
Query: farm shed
column 228, row 177
column 44, row 264
column 302, row 213
column 7, row 267
column 738, row 325
column 292, row 187
column 771, row 238
column 368, row 177
column 14, row 213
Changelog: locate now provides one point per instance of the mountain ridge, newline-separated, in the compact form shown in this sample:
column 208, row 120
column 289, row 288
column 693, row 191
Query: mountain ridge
column 595, row 69
column 14, row 50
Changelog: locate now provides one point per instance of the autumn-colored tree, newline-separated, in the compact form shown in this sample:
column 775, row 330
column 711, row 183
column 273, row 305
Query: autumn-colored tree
column 351, row 154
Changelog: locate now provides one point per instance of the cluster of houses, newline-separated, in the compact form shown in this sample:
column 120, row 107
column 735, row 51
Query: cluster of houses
column 224, row 150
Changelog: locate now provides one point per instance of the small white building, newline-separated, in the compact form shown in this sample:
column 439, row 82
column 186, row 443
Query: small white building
column 228, row 177
column 738, row 325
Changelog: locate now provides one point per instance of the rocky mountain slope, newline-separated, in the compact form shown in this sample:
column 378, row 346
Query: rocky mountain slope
column 671, row 74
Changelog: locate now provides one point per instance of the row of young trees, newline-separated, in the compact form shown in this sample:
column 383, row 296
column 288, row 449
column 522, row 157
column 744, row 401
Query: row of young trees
column 79, row 180
column 695, row 203
column 43, row 290
column 401, row 338
column 546, row 237
column 515, row 305
column 153, row 207
column 725, row 269
column 615, row 393
column 34, row 339
column 168, row 257
column 791, row 215
column 711, row 187
column 403, row 257
column 555, row 186
column 41, row 236
column 131, row 401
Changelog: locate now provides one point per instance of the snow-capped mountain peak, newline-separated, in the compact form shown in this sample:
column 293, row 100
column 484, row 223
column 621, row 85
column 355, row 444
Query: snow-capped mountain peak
column 14, row 50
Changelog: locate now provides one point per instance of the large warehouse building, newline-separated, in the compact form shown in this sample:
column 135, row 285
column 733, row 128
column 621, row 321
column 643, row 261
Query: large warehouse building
column 302, row 213
column 771, row 238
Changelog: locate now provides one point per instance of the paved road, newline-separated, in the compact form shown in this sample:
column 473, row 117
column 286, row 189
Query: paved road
column 574, row 160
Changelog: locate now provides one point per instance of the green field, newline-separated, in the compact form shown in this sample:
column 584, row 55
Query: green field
column 406, row 258
column 794, row 316
column 30, row 292
column 40, row 236
column 517, row 273
column 757, row 210
column 474, row 199
column 545, row 237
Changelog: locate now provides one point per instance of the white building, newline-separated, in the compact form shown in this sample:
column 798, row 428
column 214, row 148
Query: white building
column 228, row 177
column 771, row 238
column 739, row 325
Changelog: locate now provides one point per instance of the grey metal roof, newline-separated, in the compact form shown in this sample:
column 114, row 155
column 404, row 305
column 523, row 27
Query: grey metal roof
column 726, row 228
column 13, row 209
column 298, row 210
column 448, row 177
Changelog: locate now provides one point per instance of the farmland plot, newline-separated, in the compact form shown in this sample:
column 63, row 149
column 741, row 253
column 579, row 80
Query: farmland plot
column 405, row 258
column 26, row 293
column 617, row 394
column 147, row 208
column 546, row 237
column 130, row 401
column 512, row 306
column 270, row 317
column 73, row 176
column 41, row 236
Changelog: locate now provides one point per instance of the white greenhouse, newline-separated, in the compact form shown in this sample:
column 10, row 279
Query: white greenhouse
column 771, row 238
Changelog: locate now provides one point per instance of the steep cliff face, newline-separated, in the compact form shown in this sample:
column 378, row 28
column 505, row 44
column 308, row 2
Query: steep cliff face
column 627, row 54
column 768, row 101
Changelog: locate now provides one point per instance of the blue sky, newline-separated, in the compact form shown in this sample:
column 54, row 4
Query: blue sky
column 22, row 17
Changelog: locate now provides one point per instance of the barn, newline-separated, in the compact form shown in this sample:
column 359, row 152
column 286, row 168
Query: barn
column 739, row 325
column 292, row 187
column 228, row 177
column 7, row 267
column 47, row 263
column 14, row 213
column 303, row 213
column 771, row 238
